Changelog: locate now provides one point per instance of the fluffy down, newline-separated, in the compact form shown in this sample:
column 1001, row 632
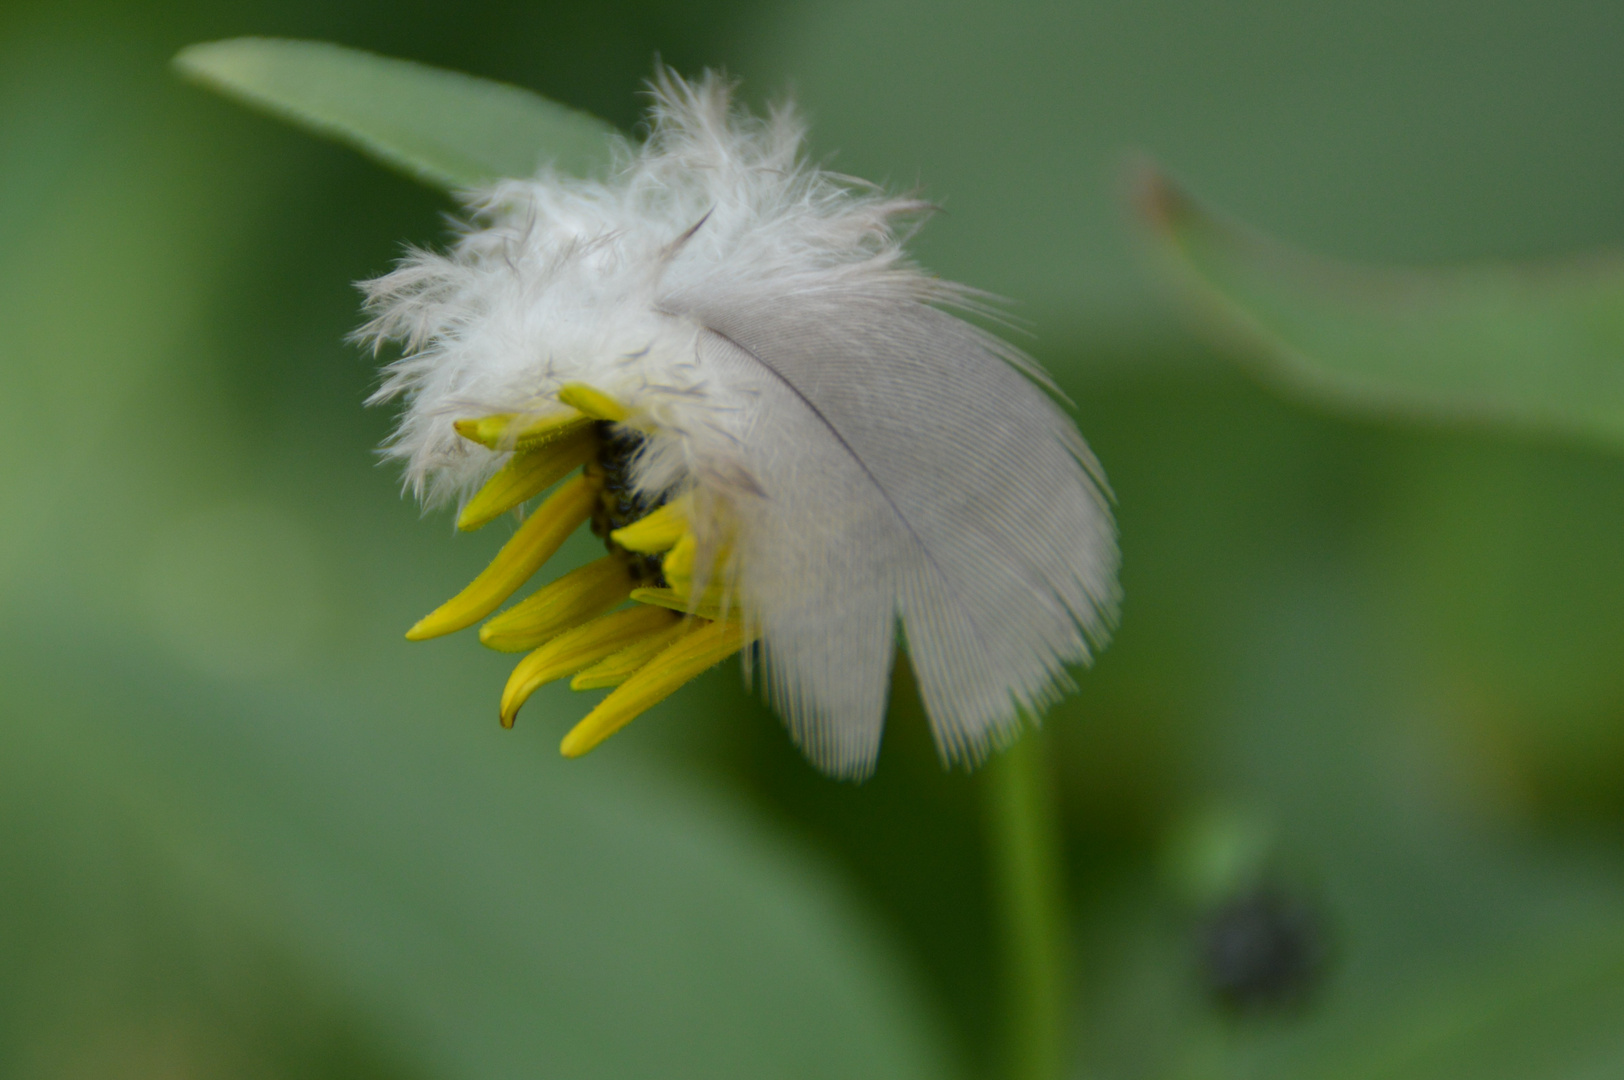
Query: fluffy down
column 865, row 459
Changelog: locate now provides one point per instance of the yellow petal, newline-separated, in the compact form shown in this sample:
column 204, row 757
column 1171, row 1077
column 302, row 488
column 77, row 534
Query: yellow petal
column 616, row 669
column 592, row 401
column 584, row 593
column 534, row 543
column 579, row 648
column 712, row 605
column 512, row 431
column 678, row 565
column 527, row 474
column 657, row 532
column 689, row 656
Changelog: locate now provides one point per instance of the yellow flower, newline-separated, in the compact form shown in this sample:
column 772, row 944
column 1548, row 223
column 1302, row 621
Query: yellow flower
column 646, row 651
column 787, row 443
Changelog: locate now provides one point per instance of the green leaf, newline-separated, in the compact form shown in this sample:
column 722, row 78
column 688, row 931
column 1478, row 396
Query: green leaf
column 449, row 130
column 1518, row 1016
column 1538, row 347
column 1304, row 104
column 475, row 904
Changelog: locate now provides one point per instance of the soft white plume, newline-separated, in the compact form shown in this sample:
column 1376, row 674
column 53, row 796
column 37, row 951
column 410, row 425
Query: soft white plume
column 868, row 459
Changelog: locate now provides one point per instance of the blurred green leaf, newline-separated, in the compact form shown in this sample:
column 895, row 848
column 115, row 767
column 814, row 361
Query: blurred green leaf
column 485, row 910
column 1548, row 1015
column 447, row 129
column 1372, row 127
column 1534, row 347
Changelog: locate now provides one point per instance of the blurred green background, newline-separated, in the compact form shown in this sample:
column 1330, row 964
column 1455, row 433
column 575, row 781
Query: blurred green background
column 1372, row 666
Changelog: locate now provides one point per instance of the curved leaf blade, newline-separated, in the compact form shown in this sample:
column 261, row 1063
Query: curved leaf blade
column 447, row 129
column 476, row 910
column 1537, row 347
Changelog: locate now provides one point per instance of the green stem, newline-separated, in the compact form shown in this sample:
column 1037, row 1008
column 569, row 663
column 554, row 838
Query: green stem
column 1029, row 902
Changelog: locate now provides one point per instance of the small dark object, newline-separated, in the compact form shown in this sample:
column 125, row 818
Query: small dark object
column 619, row 505
column 1263, row 950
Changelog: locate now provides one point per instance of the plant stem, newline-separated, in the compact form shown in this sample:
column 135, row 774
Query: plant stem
column 1029, row 903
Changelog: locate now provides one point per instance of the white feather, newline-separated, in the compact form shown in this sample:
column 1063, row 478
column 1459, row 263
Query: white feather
column 874, row 460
